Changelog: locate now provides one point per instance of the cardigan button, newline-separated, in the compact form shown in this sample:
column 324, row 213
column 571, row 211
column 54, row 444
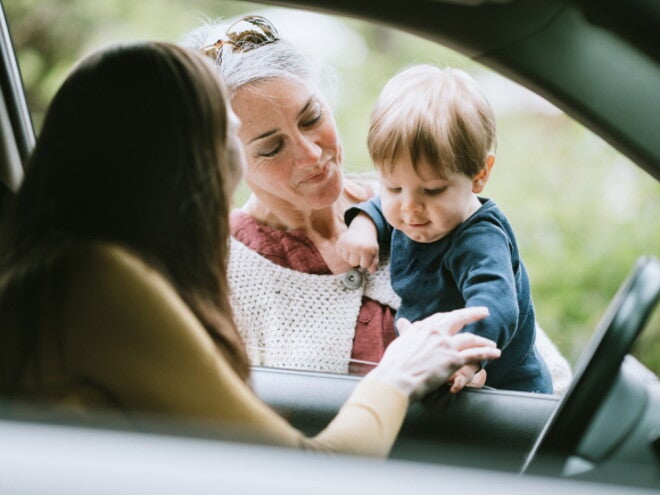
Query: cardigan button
column 352, row 279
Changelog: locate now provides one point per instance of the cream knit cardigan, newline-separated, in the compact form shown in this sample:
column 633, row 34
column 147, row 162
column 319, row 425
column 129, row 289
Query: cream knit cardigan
column 295, row 320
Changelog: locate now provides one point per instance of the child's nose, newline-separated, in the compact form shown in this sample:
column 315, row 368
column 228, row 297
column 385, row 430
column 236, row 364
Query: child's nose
column 411, row 204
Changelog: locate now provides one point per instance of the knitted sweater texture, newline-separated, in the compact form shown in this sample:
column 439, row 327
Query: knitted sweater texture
column 296, row 320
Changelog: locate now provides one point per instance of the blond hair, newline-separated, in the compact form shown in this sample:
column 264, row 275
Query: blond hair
column 432, row 113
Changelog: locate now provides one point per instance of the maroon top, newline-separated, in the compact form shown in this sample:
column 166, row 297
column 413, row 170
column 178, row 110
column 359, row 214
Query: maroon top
column 374, row 329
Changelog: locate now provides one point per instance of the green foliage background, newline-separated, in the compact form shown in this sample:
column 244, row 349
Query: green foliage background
column 582, row 212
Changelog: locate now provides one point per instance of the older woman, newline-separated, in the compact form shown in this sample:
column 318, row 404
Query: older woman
column 296, row 303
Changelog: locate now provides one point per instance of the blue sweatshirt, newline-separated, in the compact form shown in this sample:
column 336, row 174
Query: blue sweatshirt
column 477, row 264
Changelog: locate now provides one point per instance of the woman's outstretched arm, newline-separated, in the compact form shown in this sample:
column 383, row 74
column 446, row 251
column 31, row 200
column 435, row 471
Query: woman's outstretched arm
column 128, row 332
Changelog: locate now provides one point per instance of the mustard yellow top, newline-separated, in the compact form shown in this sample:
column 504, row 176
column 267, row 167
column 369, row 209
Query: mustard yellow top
column 124, row 340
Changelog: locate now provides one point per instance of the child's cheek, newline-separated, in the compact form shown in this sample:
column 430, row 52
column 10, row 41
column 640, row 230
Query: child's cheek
column 390, row 209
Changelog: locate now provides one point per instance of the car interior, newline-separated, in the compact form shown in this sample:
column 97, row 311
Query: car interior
column 596, row 61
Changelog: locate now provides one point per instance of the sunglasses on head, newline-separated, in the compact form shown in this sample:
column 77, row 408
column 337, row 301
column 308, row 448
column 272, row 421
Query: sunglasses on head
column 246, row 34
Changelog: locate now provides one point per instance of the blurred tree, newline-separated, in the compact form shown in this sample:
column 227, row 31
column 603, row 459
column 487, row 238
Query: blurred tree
column 50, row 36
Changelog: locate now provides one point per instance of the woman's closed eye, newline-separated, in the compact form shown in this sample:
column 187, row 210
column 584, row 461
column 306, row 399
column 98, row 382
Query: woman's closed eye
column 313, row 118
column 270, row 149
column 310, row 119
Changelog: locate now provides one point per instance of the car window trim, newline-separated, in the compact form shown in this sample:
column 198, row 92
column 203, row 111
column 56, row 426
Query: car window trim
column 18, row 136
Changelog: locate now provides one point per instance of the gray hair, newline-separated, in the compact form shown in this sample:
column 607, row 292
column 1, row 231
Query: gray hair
column 280, row 59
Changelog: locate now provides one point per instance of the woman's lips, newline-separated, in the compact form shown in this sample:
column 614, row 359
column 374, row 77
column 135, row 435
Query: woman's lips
column 316, row 177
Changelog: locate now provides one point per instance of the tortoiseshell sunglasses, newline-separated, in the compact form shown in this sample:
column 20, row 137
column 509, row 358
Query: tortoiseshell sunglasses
column 246, row 34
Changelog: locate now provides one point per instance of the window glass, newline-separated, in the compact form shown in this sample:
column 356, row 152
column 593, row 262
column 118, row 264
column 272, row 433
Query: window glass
column 582, row 212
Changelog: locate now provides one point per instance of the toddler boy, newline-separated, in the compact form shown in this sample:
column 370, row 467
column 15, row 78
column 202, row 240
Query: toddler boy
column 432, row 138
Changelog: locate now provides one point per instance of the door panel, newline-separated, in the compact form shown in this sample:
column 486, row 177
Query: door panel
column 442, row 427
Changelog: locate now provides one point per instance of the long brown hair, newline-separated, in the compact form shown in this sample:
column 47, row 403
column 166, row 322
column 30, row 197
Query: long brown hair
column 135, row 149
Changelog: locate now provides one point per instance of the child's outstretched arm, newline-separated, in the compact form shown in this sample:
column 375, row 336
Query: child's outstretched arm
column 358, row 246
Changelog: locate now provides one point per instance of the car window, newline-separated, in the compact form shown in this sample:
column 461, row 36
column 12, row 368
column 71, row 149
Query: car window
column 582, row 212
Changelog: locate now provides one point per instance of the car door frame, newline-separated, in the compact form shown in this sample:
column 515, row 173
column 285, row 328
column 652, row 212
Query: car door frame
column 18, row 136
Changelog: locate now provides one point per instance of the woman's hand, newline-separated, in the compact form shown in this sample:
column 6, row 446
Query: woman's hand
column 358, row 246
column 428, row 352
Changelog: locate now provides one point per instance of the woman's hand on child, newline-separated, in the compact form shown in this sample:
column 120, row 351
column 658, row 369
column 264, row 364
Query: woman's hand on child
column 428, row 352
column 358, row 246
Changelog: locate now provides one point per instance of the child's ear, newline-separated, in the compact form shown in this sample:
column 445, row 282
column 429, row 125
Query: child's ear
column 479, row 180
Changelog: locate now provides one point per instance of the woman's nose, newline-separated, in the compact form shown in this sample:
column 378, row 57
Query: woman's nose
column 308, row 152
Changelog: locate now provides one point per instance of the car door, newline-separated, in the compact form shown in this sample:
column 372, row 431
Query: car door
column 443, row 427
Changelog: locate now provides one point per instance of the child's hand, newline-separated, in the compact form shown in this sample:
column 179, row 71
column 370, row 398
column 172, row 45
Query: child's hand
column 358, row 246
column 469, row 375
